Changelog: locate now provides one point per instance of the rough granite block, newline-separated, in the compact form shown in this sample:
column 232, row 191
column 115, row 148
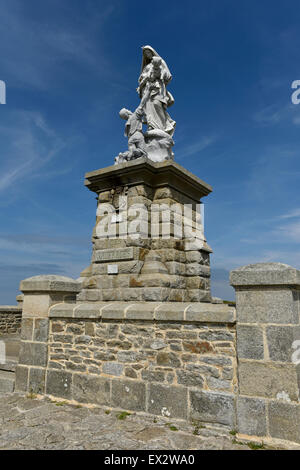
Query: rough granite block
column 284, row 419
column 280, row 340
column 268, row 379
column 168, row 400
column 212, row 407
column 36, row 380
column 21, row 378
column 27, row 329
column 59, row 384
column 129, row 395
column 266, row 305
column 250, row 342
column 91, row 389
column 34, row 354
column 41, row 330
column 251, row 416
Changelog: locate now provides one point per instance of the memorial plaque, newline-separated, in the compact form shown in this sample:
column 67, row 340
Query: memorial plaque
column 112, row 269
column 117, row 254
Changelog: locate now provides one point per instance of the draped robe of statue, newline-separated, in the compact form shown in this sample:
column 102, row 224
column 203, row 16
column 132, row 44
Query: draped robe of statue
column 155, row 99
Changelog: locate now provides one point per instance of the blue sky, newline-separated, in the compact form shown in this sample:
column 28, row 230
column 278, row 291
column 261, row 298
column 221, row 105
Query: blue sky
column 69, row 66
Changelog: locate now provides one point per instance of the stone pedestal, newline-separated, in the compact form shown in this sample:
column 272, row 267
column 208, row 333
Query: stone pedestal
column 146, row 246
column 40, row 293
column 268, row 350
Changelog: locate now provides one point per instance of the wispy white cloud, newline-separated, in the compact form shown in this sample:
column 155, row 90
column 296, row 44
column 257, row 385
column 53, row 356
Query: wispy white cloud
column 290, row 214
column 275, row 114
column 271, row 114
column 28, row 144
column 290, row 232
column 32, row 51
column 196, row 147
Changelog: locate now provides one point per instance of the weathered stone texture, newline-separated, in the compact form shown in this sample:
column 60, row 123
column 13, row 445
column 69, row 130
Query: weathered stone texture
column 268, row 305
column 280, row 340
column 251, row 416
column 154, row 350
column 212, row 407
column 168, row 401
column 284, row 419
column 268, row 379
column 250, row 342
column 10, row 320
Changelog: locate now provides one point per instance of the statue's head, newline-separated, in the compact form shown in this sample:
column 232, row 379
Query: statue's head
column 148, row 52
column 125, row 113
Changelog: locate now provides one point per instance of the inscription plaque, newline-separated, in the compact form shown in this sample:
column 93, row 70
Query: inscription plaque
column 112, row 269
column 118, row 254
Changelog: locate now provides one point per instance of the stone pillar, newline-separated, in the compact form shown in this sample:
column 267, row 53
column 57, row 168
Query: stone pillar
column 152, row 252
column 268, row 350
column 40, row 293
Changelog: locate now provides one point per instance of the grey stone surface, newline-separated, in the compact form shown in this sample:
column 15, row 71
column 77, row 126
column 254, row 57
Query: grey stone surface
column 190, row 378
column 116, row 254
column 268, row 379
column 91, row 389
column 7, row 381
column 59, row 383
column 48, row 283
column 22, row 374
column 280, row 340
column 158, row 344
column 41, row 330
column 266, row 305
column 263, row 274
column 135, row 310
column 251, row 416
column 34, row 354
column 62, row 310
column 27, row 329
column 41, row 424
column 36, row 382
column 284, row 419
column 112, row 368
column 250, row 342
column 10, row 308
column 169, row 401
column 206, row 312
column 128, row 394
column 212, row 407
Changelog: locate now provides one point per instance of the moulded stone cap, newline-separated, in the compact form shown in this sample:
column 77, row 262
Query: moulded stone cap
column 50, row 283
column 262, row 274
column 20, row 298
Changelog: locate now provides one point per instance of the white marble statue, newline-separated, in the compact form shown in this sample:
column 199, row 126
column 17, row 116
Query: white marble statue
column 134, row 133
column 155, row 99
column 156, row 143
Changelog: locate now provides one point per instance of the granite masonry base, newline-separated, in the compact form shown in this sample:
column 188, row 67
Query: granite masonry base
column 145, row 243
column 210, row 363
column 168, row 359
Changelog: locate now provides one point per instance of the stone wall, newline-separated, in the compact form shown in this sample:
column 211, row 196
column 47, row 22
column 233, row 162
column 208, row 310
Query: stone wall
column 197, row 361
column 10, row 319
column 173, row 360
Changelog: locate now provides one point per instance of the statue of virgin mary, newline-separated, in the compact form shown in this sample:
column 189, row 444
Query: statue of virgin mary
column 155, row 99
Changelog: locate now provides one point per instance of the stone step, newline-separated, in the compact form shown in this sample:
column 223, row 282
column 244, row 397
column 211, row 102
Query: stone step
column 7, row 381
